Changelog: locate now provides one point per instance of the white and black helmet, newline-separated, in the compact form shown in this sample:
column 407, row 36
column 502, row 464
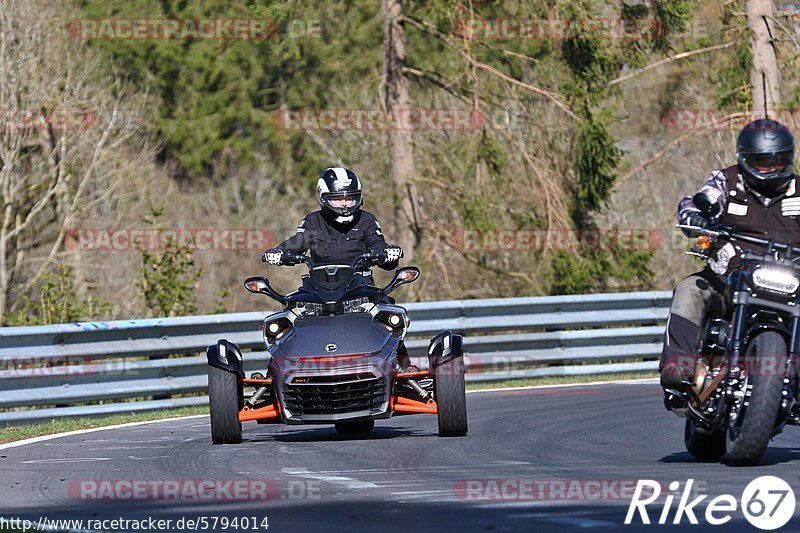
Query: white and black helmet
column 339, row 193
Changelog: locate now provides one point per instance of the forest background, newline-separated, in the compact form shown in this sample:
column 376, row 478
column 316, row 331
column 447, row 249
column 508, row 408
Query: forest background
column 559, row 136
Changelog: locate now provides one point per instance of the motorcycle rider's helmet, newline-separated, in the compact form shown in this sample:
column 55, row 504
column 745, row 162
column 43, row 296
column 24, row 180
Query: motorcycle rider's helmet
column 339, row 194
column 765, row 153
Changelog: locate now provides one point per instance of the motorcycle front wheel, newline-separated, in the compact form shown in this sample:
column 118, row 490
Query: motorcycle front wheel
column 749, row 433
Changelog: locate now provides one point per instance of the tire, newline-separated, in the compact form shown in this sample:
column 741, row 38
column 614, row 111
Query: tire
column 225, row 397
column 451, row 398
column 748, row 438
column 355, row 428
column 704, row 446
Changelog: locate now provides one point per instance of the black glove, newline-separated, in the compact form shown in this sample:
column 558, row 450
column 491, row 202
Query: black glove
column 695, row 219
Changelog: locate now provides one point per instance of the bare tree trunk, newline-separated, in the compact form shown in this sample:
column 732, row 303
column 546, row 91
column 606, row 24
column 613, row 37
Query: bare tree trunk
column 407, row 229
column 764, row 74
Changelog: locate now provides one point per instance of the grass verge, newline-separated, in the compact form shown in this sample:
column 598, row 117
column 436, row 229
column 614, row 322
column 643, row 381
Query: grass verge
column 13, row 433
column 559, row 380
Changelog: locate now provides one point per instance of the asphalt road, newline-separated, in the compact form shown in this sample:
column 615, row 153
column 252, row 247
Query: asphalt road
column 555, row 459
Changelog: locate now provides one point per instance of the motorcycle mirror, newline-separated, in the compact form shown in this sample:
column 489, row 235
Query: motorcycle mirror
column 709, row 207
column 408, row 274
column 261, row 286
column 401, row 277
column 257, row 285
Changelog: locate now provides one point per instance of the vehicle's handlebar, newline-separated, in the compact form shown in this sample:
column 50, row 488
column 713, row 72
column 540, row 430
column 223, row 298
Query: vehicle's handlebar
column 372, row 257
column 293, row 258
column 721, row 232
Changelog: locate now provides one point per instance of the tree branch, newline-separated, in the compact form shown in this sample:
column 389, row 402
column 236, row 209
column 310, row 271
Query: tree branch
column 661, row 153
column 677, row 57
column 555, row 98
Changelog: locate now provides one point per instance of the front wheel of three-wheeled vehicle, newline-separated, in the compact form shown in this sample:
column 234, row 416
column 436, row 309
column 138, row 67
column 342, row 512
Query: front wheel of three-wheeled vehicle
column 451, row 398
column 226, row 397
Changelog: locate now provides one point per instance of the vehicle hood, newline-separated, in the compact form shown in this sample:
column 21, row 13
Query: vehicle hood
column 354, row 333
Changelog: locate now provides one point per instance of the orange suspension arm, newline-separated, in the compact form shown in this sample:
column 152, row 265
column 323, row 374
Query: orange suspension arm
column 269, row 411
column 406, row 405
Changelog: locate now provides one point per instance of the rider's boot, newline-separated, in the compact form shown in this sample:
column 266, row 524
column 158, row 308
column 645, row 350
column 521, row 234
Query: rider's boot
column 677, row 361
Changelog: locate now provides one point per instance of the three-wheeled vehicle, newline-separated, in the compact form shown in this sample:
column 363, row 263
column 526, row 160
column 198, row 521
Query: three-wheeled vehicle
column 334, row 359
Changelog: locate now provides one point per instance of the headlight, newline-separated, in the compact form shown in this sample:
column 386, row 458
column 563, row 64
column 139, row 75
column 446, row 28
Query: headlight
column 354, row 306
column 776, row 280
column 275, row 329
column 392, row 321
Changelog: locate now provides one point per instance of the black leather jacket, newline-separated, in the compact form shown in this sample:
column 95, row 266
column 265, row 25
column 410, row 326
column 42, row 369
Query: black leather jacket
column 333, row 243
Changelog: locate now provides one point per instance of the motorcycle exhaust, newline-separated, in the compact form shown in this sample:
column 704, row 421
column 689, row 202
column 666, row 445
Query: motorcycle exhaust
column 700, row 374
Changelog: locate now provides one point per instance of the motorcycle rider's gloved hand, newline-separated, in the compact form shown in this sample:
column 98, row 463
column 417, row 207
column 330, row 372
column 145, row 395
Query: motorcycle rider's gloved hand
column 273, row 257
column 393, row 253
column 695, row 219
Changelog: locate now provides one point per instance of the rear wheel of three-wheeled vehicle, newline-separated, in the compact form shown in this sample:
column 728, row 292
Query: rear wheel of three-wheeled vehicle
column 226, row 398
column 451, row 398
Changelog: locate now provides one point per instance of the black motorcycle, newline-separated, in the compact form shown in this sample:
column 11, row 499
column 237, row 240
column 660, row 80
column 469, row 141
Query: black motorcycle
column 334, row 359
column 745, row 379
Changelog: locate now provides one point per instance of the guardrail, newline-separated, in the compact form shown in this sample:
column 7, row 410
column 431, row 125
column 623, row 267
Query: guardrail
column 96, row 368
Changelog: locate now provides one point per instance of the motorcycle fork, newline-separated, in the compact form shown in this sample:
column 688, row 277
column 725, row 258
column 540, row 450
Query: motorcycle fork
column 735, row 344
column 790, row 389
column 734, row 350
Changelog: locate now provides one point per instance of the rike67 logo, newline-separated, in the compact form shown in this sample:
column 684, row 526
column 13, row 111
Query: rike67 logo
column 767, row 502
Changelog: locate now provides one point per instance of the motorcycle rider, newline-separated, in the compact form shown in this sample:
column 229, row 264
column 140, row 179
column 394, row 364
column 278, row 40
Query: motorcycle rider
column 340, row 231
column 758, row 196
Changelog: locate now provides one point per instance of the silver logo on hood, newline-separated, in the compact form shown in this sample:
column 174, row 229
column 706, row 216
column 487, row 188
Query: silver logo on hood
column 331, row 347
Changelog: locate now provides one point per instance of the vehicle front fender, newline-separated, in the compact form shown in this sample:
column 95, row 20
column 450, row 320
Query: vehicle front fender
column 445, row 347
column 225, row 355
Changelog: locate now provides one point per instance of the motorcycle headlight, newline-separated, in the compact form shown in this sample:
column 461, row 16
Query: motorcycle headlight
column 776, row 280
column 355, row 305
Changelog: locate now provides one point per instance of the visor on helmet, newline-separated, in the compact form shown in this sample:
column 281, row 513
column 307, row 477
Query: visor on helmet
column 342, row 203
column 767, row 164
